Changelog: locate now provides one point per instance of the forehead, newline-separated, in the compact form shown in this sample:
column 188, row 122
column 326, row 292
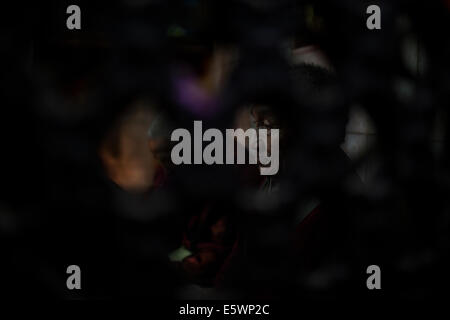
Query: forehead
column 262, row 112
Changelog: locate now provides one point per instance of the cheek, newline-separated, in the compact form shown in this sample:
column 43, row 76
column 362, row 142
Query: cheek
column 262, row 143
column 157, row 144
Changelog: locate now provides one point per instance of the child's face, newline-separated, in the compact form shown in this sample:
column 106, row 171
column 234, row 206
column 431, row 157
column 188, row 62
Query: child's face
column 261, row 117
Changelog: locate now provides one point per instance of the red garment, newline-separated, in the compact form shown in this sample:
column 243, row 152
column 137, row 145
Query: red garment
column 210, row 241
column 214, row 258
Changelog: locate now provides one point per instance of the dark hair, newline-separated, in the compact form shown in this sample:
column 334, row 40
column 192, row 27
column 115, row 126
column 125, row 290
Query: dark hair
column 311, row 79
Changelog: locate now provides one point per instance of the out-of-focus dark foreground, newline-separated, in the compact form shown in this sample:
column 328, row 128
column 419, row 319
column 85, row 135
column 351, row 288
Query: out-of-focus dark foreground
column 87, row 178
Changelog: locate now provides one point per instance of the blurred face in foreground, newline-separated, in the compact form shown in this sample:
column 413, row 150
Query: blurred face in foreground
column 159, row 140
